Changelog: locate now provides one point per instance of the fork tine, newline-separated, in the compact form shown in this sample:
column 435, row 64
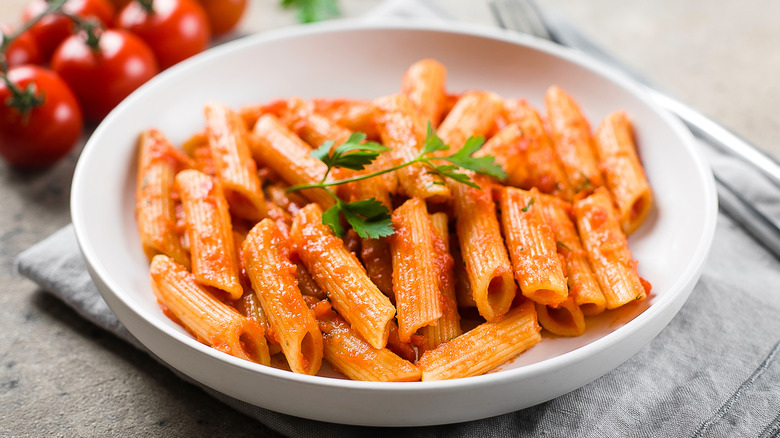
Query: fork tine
column 497, row 14
column 519, row 15
column 536, row 18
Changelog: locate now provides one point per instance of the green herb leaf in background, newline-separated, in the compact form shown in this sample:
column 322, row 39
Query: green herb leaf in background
column 310, row 11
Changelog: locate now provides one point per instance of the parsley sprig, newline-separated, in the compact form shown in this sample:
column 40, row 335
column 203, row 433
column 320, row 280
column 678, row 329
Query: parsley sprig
column 369, row 217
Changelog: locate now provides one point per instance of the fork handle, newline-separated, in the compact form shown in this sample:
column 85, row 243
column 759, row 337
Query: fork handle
column 764, row 231
column 719, row 136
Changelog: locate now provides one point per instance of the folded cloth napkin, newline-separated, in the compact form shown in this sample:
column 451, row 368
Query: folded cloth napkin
column 713, row 371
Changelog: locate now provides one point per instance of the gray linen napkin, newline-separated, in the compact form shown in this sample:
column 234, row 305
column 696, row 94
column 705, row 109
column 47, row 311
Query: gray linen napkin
column 713, row 371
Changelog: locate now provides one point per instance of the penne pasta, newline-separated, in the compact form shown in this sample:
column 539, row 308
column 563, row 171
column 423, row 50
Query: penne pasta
column 340, row 274
column 155, row 206
column 607, row 247
column 357, row 359
column 482, row 248
column 197, row 148
column 448, row 326
column 211, row 321
column 416, row 281
column 542, row 167
column 401, row 129
column 572, row 140
column 246, row 260
column 583, row 285
column 532, row 247
column 249, row 306
column 306, row 283
column 265, row 254
column 214, row 257
column 473, row 115
column 233, row 162
column 483, row 348
column 423, row 83
column 565, row 320
column 622, row 170
column 286, row 154
column 315, row 129
column 355, row 115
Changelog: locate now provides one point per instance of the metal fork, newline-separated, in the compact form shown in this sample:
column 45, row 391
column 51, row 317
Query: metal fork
column 524, row 16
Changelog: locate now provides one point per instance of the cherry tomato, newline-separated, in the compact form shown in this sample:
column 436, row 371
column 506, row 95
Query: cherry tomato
column 223, row 14
column 54, row 28
column 174, row 29
column 102, row 77
column 46, row 133
column 23, row 50
column 119, row 4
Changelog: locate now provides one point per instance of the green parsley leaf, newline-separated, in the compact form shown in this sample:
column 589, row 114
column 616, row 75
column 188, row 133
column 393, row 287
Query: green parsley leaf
column 368, row 208
column 352, row 154
column 332, row 218
column 485, row 165
column 310, row 11
column 369, row 218
column 449, row 171
column 433, row 143
column 527, row 206
column 322, row 153
column 585, row 185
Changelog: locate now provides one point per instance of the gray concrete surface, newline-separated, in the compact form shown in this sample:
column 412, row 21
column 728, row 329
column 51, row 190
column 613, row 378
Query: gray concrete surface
column 60, row 376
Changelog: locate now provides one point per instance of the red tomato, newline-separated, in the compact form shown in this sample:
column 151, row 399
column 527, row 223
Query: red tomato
column 119, row 4
column 54, row 28
column 22, row 50
column 48, row 131
column 102, row 78
column 175, row 29
column 223, row 14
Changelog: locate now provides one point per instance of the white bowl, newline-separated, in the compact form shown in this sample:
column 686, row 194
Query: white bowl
column 352, row 59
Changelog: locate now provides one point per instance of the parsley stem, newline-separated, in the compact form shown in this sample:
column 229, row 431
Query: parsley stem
column 323, row 184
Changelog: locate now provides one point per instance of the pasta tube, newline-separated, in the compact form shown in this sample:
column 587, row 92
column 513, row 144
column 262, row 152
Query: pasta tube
column 401, row 129
column 249, row 306
column 473, row 115
column 415, row 277
column 483, row 348
column 448, row 326
column 482, row 248
column 532, row 247
column 572, row 140
column 233, row 162
column 565, row 320
column 624, row 173
column 357, row 359
column 265, row 253
column 340, row 274
column 607, row 247
column 543, row 168
column 211, row 321
column 423, row 83
column 313, row 128
column 155, row 207
column 280, row 149
column 210, row 231
column 583, row 285
column 355, row 115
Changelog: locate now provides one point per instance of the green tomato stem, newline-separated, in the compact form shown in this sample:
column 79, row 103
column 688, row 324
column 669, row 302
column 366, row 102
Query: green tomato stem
column 147, row 5
column 53, row 6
